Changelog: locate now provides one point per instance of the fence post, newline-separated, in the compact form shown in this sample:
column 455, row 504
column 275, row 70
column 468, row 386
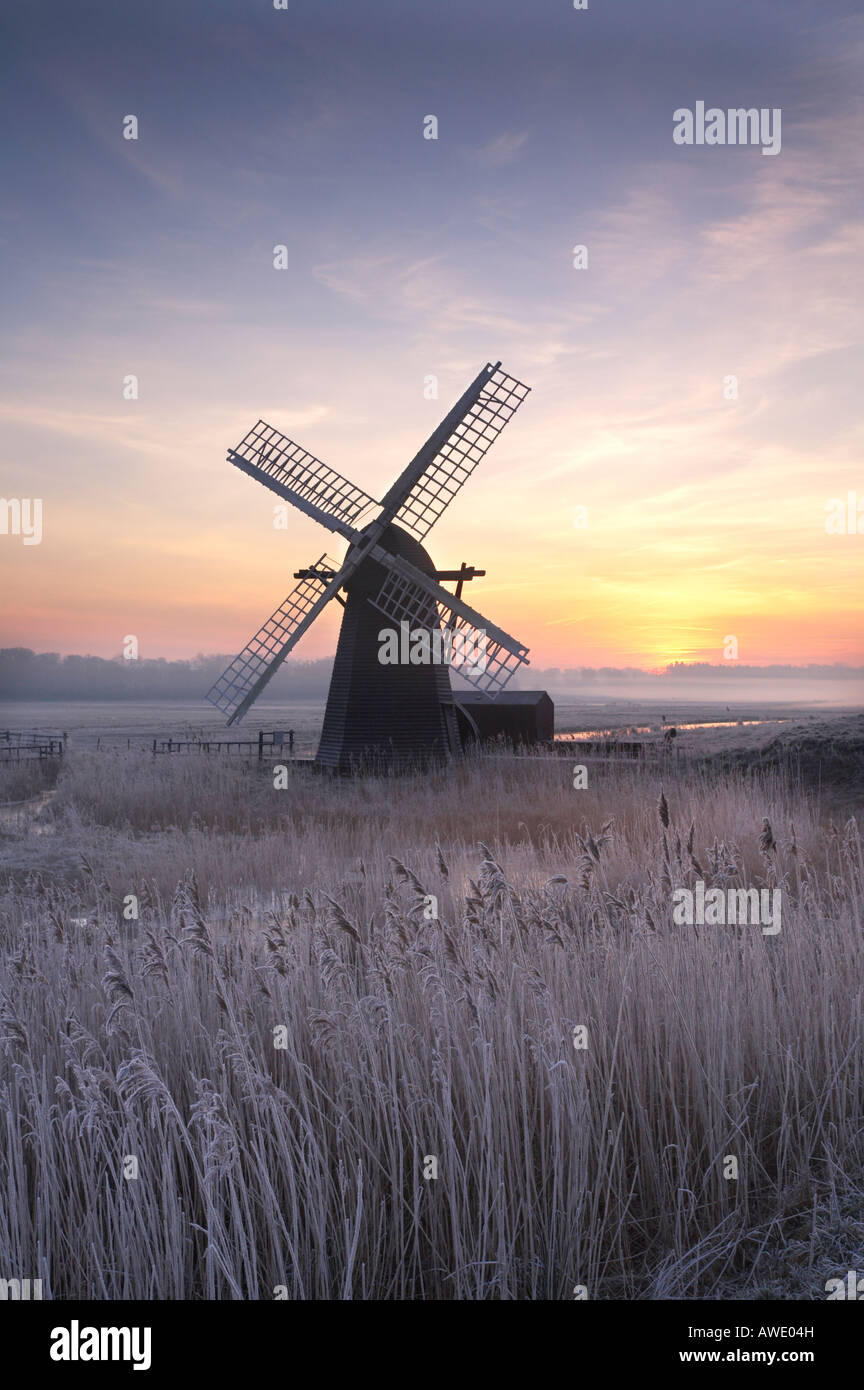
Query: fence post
column 260, row 744
column 291, row 740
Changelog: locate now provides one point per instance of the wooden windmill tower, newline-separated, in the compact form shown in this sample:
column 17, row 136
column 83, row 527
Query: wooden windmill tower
column 402, row 710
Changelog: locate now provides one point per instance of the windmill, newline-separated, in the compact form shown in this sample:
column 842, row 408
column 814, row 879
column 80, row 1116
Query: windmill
column 403, row 710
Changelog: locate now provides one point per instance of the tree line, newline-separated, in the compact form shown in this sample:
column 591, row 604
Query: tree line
column 28, row 675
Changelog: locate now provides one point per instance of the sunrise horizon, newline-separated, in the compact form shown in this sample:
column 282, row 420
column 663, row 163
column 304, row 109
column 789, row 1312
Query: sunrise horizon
column 686, row 469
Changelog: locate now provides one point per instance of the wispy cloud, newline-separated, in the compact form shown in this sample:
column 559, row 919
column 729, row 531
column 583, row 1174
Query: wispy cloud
column 504, row 149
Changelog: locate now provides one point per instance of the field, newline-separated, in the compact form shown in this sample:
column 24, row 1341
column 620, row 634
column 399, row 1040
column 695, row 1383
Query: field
column 333, row 1055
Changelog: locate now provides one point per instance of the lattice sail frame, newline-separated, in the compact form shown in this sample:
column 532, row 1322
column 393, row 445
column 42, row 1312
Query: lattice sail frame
column 271, row 641
column 482, row 653
column 289, row 470
column 415, row 502
column 461, row 452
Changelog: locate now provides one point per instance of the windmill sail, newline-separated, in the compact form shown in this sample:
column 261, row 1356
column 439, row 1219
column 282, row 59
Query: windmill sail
column 245, row 678
column 450, row 455
column 482, row 653
column 404, row 708
column 289, row 471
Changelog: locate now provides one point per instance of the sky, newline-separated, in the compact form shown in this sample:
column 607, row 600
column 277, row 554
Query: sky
column 408, row 258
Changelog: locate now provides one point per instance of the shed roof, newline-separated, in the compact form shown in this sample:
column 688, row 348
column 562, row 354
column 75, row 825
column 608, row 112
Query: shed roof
column 508, row 697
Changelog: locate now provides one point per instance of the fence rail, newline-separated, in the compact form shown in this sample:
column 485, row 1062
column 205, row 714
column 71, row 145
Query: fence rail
column 268, row 742
column 17, row 745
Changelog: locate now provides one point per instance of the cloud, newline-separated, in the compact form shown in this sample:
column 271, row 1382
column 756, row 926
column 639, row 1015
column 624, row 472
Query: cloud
column 504, row 149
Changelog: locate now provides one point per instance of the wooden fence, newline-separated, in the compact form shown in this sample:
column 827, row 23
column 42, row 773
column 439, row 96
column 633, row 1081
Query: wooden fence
column 16, row 747
column 268, row 743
